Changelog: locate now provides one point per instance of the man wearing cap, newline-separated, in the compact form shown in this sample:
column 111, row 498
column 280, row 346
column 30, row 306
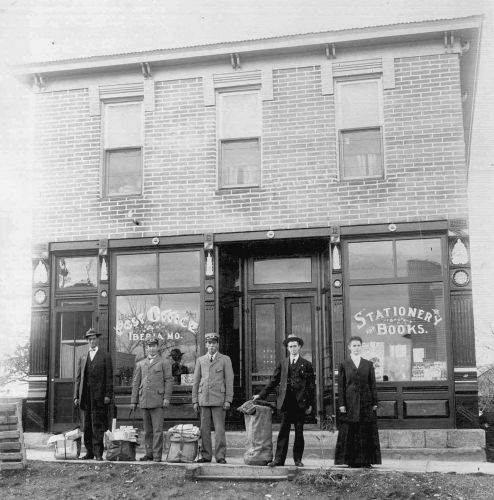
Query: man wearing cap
column 152, row 387
column 212, row 392
column 295, row 378
column 93, row 392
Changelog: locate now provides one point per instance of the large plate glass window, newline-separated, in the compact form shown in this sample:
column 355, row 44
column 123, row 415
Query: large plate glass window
column 239, row 138
column 158, row 295
column 359, row 123
column 122, row 140
column 396, row 305
column 77, row 273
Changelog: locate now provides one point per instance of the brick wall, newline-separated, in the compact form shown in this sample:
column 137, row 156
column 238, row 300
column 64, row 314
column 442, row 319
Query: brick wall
column 424, row 161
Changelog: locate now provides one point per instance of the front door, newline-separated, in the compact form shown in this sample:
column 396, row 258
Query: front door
column 272, row 317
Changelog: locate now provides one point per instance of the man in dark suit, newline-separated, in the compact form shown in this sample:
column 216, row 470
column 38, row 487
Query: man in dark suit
column 152, row 387
column 212, row 391
column 93, row 393
column 295, row 377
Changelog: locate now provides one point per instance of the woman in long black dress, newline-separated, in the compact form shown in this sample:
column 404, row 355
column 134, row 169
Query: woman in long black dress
column 358, row 438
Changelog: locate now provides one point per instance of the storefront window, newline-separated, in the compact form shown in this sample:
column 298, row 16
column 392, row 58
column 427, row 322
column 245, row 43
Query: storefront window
column 136, row 271
column 171, row 317
column 179, row 269
column 402, row 325
column 76, row 272
column 371, row 259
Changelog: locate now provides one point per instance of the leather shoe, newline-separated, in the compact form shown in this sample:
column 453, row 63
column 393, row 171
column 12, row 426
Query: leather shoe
column 99, row 458
column 156, row 459
column 221, row 461
column 146, row 458
column 87, row 457
column 298, row 463
column 275, row 463
column 202, row 460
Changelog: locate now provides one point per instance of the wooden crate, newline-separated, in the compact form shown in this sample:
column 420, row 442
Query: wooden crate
column 12, row 449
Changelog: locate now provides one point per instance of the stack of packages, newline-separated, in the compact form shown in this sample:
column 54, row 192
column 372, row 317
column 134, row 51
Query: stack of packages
column 184, row 440
column 122, row 443
column 67, row 445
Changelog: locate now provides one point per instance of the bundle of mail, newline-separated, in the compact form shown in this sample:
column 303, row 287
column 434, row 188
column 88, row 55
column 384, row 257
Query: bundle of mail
column 123, row 433
column 184, row 432
column 66, row 436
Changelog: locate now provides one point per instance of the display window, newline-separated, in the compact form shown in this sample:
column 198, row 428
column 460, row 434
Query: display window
column 396, row 305
column 157, row 295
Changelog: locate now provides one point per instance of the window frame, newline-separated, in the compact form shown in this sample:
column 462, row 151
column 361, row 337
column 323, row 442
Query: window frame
column 106, row 103
column 220, row 93
column 379, row 125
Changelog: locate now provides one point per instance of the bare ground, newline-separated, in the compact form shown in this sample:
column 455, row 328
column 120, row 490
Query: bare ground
column 51, row 480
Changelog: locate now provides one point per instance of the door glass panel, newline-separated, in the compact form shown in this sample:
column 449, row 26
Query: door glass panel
column 172, row 318
column 264, row 345
column 179, row 269
column 72, row 326
column 76, row 272
column 136, row 271
column 290, row 270
column 371, row 259
column 419, row 258
column 403, row 329
column 301, row 326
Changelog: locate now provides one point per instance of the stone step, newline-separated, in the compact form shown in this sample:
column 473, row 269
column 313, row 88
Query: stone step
column 215, row 472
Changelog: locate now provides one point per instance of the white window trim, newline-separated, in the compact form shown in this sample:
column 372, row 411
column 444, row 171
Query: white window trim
column 219, row 126
column 105, row 103
column 380, row 123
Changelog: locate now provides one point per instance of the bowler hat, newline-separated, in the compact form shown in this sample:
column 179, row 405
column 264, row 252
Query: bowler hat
column 293, row 338
column 152, row 341
column 176, row 352
column 92, row 333
column 211, row 337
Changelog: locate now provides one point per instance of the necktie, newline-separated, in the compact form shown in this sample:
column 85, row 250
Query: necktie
column 293, row 361
column 212, row 359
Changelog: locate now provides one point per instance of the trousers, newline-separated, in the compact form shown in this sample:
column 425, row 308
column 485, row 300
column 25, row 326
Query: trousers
column 152, row 420
column 217, row 415
column 95, row 422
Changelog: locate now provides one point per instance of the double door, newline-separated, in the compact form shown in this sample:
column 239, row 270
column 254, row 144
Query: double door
column 271, row 318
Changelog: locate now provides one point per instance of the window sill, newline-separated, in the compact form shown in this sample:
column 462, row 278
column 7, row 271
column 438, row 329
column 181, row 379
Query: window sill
column 362, row 179
column 120, row 197
column 237, row 189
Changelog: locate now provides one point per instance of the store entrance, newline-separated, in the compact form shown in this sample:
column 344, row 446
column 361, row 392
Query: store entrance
column 271, row 318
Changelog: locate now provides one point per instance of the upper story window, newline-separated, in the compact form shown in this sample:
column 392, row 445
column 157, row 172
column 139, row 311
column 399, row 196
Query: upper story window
column 359, row 123
column 239, row 138
column 122, row 148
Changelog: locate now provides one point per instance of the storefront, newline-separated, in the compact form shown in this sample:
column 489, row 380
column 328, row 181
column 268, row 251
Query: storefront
column 404, row 289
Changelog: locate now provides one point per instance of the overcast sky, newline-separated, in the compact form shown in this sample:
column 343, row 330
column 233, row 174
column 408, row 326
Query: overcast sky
column 54, row 29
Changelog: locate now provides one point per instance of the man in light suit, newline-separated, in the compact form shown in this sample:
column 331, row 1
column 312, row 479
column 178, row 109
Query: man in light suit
column 212, row 392
column 93, row 392
column 152, row 387
column 295, row 377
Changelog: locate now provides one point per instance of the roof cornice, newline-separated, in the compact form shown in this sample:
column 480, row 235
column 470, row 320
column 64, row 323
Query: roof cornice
column 386, row 33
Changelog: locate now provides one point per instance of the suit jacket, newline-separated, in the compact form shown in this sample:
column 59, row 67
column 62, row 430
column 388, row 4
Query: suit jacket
column 152, row 382
column 213, row 382
column 303, row 379
column 357, row 390
column 100, row 380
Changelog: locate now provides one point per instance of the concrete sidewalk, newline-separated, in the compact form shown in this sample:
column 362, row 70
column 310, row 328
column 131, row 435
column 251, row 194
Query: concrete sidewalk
column 420, row 466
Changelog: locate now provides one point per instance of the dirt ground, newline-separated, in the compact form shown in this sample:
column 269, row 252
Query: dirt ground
column 45, row 480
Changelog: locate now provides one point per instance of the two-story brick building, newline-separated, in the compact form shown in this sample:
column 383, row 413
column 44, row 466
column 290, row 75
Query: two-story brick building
column 312, row 184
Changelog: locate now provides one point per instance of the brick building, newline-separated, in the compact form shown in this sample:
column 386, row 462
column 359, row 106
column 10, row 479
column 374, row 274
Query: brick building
column 311, row 184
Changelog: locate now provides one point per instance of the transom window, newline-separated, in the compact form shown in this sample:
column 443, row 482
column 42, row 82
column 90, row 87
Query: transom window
column 239, row 138
column 122, row 140
column 359, row 120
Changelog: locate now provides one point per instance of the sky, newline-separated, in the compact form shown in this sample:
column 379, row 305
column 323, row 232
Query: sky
column 33, row 30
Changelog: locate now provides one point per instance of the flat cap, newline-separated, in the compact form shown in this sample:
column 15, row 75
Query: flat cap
column 211, row 337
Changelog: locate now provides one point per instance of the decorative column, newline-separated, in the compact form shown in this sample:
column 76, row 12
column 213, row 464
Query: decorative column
column 103, row 279
column 462, row 328
column 209, row 284
column 36, row 402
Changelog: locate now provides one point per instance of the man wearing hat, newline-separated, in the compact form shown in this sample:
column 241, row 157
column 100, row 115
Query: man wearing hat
column 152, row 387
column 295, row 377
column 178, row 369
column 93, row 392
column 212, row 391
